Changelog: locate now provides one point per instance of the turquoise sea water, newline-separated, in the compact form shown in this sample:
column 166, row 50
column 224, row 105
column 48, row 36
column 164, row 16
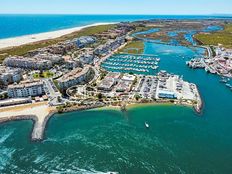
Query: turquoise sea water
column 98, row 141
column 18, row 25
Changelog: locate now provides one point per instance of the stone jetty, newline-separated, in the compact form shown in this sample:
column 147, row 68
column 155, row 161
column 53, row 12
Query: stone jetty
column 39, row 113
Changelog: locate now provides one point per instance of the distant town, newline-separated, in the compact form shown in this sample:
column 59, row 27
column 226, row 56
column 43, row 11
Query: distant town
column 220, row 64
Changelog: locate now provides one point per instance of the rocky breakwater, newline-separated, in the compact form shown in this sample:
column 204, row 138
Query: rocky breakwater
column 39, row 113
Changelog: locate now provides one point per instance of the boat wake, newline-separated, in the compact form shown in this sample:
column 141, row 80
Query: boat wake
column 5, row 135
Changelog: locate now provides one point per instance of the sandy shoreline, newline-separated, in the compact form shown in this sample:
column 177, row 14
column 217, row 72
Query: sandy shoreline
column 136, row 105
column 21, row 40
column 40, row 113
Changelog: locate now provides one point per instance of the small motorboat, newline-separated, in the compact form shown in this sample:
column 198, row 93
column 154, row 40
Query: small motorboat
column 223, row 80
column 146, row 125
column 228, row 85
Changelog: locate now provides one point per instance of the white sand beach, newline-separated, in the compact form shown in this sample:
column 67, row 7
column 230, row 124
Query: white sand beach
column 41, row 110
column 21, row 40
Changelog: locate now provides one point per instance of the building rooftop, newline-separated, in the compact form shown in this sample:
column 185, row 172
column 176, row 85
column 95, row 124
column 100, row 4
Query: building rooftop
column 115, row 75
column 107, row 83
column 74, row 74
column 128, row 77
column 25, row 84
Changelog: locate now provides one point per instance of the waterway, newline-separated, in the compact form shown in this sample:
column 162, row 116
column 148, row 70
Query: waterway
column 98, row 141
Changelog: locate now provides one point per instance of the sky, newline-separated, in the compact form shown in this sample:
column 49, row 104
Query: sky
column 168, row 7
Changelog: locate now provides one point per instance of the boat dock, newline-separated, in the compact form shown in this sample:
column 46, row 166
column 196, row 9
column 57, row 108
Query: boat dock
column 134, row 63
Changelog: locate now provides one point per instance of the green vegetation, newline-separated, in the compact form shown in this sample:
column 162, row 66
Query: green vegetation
column 57, row 86
column 161, row 35
column 102, row 75
column 60, row 109
column 134, row 47
column 3, row 96
column 142, row 28
column 59, row 99
column 137, row 97
column 213, row 51
column 22, row 50
column 43, row 74
column 223, row 37
column 99, row 96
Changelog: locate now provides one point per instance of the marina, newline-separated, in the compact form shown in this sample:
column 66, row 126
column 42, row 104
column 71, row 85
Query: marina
column 138, row 64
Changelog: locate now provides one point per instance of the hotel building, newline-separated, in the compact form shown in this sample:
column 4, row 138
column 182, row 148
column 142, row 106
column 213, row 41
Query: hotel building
column 74, row 77
column 27, row 63
column 26, row 89
column 9, row 75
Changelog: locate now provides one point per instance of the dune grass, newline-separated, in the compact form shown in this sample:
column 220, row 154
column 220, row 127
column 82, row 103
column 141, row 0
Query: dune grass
column 133, row 47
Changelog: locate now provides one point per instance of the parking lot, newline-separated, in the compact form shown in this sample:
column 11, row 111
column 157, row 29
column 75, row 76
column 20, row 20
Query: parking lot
column 147, row 86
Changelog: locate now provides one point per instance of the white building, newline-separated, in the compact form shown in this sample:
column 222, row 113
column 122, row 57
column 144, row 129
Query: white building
column 86, row 58
column 10, row 75
column 128, row 77
column 26, row 89
column 55, row 59
column 74, row 77
column 85, row 40
column 27, row 63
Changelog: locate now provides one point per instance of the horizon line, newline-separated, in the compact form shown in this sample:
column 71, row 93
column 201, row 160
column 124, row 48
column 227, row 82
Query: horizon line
column 213, row 14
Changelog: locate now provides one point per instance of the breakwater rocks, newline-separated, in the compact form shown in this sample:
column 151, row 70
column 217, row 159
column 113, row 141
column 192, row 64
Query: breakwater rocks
column 199, row 105
column 39, row 125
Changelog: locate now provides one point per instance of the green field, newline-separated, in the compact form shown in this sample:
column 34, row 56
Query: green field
column 45, row 74
column 134, row 47
column 21, row 50
column 223, row 37
column 143, row 28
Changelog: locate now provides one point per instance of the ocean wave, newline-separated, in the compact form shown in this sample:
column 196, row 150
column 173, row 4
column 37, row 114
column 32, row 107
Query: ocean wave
column 58, row 166
column 40, row 159
column 176, row 168
column 82, row 171
column 50, row 140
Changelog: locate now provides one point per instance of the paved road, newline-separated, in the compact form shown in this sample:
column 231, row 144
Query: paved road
column 52, row 92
